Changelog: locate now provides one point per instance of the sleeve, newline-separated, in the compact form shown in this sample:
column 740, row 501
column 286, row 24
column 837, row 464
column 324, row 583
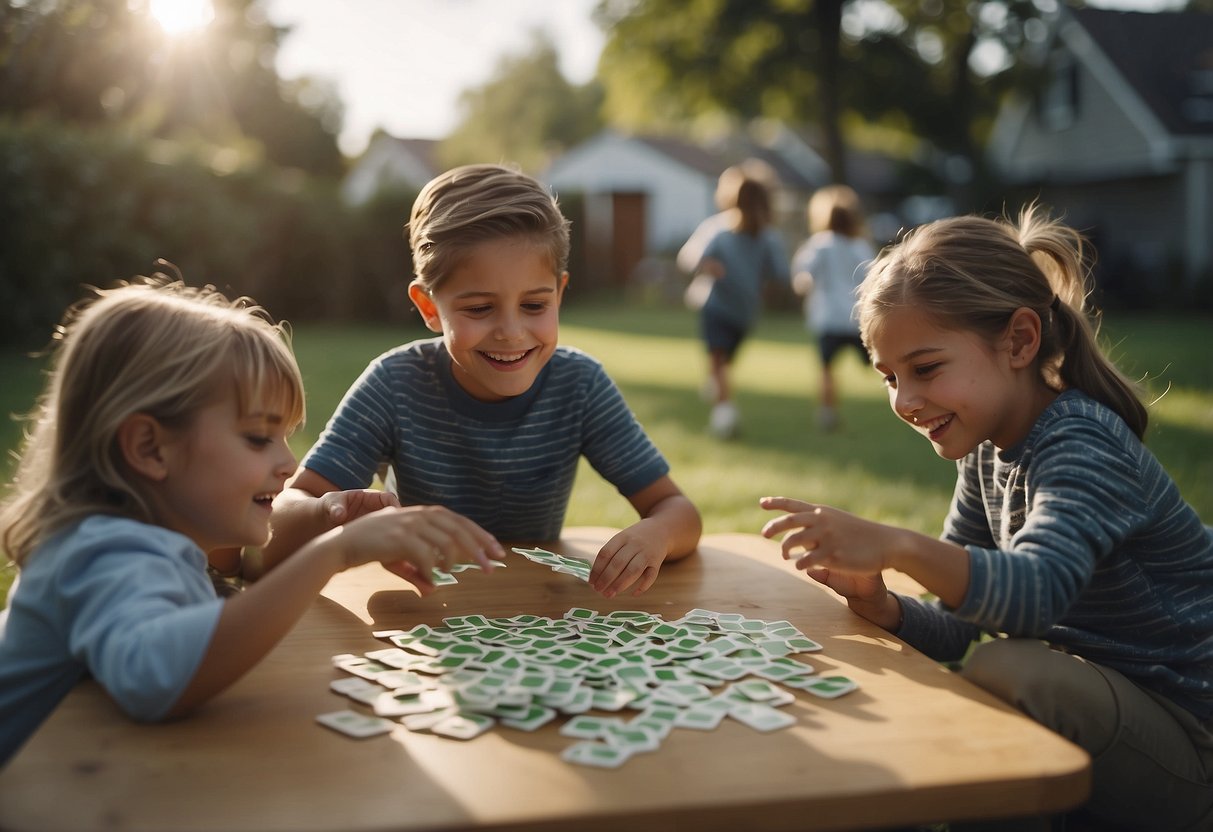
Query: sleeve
column 360, row 436
column 933, row 631
column 1083, row 500
column 140, row 621
column 614, row 443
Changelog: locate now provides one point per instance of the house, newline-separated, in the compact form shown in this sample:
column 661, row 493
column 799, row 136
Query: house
column 642, row 196
column 1120, row 139
column 390, row 162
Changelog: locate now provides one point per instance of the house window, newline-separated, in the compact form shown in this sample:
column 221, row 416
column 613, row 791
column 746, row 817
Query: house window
column 1058, row 102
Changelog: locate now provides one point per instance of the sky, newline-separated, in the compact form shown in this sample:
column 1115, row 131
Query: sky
column 401, row 64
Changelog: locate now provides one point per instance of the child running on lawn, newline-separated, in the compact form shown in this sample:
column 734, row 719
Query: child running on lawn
column 1066, row 539
column 491, row 417
column 160, row 441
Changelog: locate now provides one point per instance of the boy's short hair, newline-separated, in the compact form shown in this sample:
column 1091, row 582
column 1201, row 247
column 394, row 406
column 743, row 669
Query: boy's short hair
column 468, row 205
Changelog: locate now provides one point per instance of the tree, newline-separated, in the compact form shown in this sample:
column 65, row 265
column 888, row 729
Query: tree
column 98, row 62
column 905, row 62
column 526, row 114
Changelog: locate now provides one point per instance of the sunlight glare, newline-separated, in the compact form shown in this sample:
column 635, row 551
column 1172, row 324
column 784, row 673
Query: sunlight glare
column 178, row 17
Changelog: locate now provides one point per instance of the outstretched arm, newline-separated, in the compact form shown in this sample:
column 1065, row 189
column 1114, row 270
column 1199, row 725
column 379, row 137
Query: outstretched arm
column 421, row 537
column 824, row 538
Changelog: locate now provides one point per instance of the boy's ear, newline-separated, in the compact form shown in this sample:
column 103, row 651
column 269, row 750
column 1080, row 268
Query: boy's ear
column 1023, row 337
column 141, row 441
column 425, row 305
column 561, row 284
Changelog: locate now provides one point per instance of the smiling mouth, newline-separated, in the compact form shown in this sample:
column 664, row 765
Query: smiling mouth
column 934, row 426
column 265, row 500
column 507, row 359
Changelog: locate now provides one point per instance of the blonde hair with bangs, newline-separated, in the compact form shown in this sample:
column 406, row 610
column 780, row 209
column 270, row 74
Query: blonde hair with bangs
column 151, row 346
column 972, row 273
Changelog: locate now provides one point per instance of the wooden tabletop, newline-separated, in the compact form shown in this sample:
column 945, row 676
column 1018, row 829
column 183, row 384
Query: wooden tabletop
column 916, row 743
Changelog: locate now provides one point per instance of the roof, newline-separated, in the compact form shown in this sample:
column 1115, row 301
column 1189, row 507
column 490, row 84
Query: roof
column 1167, row 57
column 424, row 150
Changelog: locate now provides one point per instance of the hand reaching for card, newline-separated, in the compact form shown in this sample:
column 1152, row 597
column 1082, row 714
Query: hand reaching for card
column 628, row 560
column 414, row 540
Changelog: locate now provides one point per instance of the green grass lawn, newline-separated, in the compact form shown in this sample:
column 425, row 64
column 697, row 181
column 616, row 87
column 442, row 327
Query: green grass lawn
column 873, row 465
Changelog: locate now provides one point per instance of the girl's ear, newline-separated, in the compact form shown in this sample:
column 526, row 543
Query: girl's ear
column 141, row 440
column 562, row 283
column 425, row 305
column 1023, row 337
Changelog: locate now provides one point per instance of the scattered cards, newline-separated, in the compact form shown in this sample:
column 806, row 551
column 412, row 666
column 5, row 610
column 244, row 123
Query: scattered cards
column 473, row 672
column 576, row 567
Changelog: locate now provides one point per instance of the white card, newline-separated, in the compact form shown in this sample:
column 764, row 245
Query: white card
column 597, row 754
column 354, row 724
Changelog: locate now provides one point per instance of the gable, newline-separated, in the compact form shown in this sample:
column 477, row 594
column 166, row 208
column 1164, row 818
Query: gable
column 1103, row 112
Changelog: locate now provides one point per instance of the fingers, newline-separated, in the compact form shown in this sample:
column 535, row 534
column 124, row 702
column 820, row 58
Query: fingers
column 784, row 504
column 647, row 579
column 419, row 579
column 620, row 565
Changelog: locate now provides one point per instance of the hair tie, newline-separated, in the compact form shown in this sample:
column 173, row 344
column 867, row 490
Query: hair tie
column 1055, row 304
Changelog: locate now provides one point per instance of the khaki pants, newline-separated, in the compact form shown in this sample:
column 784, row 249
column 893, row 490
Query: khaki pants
column 1152, row 761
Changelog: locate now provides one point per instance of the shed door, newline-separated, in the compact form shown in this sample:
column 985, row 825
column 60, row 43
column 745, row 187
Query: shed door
column 628, row 237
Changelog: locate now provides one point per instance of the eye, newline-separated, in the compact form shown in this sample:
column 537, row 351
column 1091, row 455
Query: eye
column 890, row 381
column 482, row 309
column 535, row 306
column 258, row 441
column 926, row 369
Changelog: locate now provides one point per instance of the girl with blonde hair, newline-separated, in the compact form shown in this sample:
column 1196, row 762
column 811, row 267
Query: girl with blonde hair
column 157, row 449
column 826, row 270
column 1066, row 540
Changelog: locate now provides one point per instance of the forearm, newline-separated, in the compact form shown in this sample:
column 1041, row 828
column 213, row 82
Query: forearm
column 254, row 621
column 884, row 612
column 298, row 518
column 675, row 520
column 940, row 566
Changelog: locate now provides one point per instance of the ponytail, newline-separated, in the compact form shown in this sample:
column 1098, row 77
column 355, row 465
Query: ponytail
column 1072, row 339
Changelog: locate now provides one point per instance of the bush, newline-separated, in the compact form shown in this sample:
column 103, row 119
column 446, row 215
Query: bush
column 91, row 208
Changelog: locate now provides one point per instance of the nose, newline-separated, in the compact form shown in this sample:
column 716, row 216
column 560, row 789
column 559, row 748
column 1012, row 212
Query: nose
column 906, row 402
column 509, row 327
column 286, row 463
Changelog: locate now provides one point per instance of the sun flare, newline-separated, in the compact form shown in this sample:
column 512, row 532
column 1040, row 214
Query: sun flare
column 179, row 17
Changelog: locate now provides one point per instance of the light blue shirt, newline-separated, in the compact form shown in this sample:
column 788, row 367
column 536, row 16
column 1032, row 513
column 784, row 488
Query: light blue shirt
column 507, row 465
column 748, row 261
column 1078, row 537
column 129, row 603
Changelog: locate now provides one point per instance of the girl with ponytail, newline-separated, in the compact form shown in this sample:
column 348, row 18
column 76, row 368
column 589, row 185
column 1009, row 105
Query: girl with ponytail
column 1066, row 541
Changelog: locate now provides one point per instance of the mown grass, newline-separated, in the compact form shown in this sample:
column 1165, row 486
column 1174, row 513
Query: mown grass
column 872, row 465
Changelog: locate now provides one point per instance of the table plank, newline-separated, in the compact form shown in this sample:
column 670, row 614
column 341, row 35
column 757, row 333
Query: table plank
column 916, row 743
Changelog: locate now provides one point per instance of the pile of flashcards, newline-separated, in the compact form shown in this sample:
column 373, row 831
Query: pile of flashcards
column 461, row 679
column 576, row 567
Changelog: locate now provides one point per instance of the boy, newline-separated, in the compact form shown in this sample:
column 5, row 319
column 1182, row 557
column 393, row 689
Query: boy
column 490, row 418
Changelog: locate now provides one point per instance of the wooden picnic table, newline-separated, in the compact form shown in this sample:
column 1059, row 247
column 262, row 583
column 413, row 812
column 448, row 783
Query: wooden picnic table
column 916, row 743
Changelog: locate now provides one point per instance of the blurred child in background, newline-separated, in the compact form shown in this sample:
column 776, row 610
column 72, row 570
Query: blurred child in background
column 826, row 270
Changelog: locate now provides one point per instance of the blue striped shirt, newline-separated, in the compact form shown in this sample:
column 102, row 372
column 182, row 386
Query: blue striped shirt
column 1079, row 537
column 507, row 465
